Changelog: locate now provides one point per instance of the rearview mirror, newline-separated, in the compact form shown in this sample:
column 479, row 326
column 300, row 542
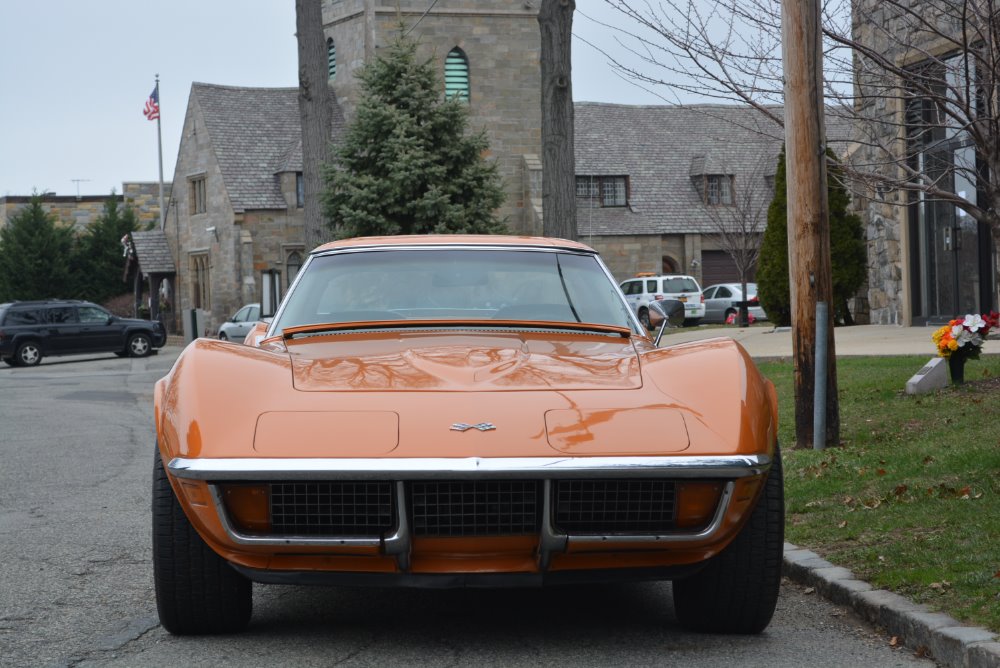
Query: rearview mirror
column 663, row 314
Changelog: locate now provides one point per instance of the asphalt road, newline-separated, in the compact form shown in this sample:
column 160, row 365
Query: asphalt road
column 76, row 444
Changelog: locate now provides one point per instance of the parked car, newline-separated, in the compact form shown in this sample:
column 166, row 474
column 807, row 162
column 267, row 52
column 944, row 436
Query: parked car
column 238, row 326
column 641, row 290
column 492, row 436
column 32, row 330
column 721, row 301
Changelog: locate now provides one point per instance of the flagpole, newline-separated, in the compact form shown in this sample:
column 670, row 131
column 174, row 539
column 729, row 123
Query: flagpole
column 159, row 151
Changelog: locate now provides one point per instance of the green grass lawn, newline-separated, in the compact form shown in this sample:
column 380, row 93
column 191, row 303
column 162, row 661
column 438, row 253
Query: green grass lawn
column 910, row 501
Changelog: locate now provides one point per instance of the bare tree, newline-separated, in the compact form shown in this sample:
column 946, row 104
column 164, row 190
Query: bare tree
column 555, row 20
column 913, row 79
column 315, row 111
column 738, row 229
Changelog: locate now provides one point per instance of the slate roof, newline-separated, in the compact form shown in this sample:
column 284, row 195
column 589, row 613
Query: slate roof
column 153, row 253
column 664, row 150
column 255, row 134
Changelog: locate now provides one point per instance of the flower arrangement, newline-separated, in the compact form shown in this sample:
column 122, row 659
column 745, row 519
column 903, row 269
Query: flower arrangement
column 963, row 337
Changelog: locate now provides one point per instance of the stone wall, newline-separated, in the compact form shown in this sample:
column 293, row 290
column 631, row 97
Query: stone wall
column 70, row 211
column 501, row 40
column 144, row 198
column 628, row 255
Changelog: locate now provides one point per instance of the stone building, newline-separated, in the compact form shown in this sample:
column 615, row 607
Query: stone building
column 79, row 211
column 929, row 260
column 234, row 224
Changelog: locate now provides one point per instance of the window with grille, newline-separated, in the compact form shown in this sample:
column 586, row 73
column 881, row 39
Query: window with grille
column 611, row 190
column 200, row 286
column 331, row 59
column 719, row 189
column 300, row 190
column 456, row 75
column 197, row 195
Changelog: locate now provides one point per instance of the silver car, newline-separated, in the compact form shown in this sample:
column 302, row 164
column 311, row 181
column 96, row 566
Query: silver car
column 237, row 327
column 722, row 300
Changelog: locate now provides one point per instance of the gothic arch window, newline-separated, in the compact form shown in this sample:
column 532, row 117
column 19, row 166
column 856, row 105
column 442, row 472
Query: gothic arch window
column 331, row 59
column 292, row 265
column 456, row 75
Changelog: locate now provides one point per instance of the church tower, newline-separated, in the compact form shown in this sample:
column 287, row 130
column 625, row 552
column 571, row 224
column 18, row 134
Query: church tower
column 487, row 52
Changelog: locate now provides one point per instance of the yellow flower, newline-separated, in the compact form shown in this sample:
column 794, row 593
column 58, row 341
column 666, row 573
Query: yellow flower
column 953, row 345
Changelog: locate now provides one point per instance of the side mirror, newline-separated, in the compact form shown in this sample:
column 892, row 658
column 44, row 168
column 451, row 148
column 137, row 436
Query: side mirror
column 111, row 319
column 256, row 334
column 663, row 314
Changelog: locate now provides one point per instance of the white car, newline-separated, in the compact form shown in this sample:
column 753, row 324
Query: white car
column 238, row 326
column 722, row 300
column 641, row 290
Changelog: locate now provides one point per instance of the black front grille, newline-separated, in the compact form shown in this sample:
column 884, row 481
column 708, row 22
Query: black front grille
column 475, row 507
column 614, row 506
column 339, row 508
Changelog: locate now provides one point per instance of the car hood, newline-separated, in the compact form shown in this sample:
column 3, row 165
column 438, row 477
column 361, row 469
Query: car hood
column 463, row 362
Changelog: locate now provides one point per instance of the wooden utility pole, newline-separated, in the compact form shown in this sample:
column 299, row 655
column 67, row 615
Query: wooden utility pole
column 555, row 19
column 809, row 272
column 315, row 112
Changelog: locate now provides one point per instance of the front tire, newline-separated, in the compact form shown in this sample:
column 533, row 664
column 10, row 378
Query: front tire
column 737, row 590
column 223, row 337
column 197, row 591
column 139, row 345
column 28, row 354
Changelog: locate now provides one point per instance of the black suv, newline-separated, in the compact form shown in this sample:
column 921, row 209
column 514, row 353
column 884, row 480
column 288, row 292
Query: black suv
column 32, row 330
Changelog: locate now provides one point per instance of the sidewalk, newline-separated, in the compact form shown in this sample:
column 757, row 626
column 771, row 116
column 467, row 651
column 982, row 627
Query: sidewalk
column 765, row 341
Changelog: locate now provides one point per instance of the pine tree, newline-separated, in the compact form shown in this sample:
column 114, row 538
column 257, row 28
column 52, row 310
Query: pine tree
column 35, row 255
column 847, row 249
column 406, row 165
column 100, row 262
column 772, row 266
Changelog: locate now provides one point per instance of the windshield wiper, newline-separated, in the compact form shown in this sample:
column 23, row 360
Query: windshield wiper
column 569, row 301
column 440, row 323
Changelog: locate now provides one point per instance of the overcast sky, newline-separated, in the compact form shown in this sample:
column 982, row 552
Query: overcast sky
column 75, row 74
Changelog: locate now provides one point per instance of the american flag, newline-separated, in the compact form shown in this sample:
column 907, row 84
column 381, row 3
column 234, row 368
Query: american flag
column 152, row 108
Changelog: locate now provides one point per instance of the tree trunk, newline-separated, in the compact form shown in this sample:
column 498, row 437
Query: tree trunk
column 555, row 20
column 810, row 275
column 315, row 112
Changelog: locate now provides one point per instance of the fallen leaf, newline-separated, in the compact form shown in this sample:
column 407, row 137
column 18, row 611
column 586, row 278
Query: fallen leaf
column 842, row 524
column 809, row 590
column 900, row 490
column 997, row 574
column 928, row 459
column 978, row 496
column 880, row 472
column 881, row 558
column 964, row 492
column 922, row 652
column 894, row 641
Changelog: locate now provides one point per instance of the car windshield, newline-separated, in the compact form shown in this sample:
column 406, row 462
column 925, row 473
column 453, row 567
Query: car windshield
column 477, row 284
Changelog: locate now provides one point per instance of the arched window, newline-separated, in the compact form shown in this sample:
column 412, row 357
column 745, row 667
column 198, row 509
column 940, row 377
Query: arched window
column 292, row 265
column 331, row 59
column 456, row 75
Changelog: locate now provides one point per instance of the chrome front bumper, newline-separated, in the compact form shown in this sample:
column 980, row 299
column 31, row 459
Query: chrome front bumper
column 400, row 470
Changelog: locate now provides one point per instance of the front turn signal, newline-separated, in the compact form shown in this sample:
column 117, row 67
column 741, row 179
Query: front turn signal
column 696, row 503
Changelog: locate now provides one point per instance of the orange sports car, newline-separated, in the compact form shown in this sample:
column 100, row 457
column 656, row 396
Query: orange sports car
column 456, row 411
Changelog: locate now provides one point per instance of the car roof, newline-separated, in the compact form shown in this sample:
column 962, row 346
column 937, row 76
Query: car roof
column 454, row 240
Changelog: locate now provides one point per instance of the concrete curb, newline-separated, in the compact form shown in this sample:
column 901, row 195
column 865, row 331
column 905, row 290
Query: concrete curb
column 945, row 640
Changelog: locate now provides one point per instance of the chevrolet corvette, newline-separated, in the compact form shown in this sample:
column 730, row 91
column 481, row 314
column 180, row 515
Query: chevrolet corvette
column 464, row 411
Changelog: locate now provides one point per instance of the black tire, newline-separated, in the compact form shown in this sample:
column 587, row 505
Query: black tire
column 644, row 318
column 197, row 591
column 729, row 312
column 139, row 345
column 223, row 337
column 737, row 590
column 28, row 354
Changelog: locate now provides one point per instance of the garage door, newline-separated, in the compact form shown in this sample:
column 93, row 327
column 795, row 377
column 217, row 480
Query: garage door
column 718, row 267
